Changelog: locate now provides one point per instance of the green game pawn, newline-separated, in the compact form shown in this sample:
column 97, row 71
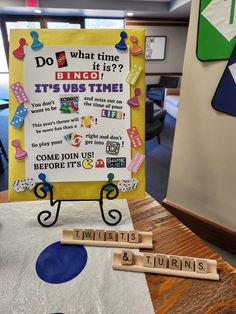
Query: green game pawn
column 109, row 188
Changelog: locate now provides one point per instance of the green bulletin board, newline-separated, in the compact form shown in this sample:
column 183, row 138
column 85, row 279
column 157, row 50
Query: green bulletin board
column 216, row 29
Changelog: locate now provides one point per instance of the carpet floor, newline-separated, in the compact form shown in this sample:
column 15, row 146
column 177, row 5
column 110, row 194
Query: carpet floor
column 158, row 158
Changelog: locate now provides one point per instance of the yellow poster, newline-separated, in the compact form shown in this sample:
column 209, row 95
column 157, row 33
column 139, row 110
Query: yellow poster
column 77, row 113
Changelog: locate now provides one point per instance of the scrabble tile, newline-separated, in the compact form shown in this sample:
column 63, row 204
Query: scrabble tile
column 134, row 236
column 78, row 234
column 175, row 262
column 148, row 260
column 99, row 235
column 188, row 263
column 201, row 266
column 88, row 234
column 111, row 235
column 126, row 257
column 161, row 261
column 123, row 236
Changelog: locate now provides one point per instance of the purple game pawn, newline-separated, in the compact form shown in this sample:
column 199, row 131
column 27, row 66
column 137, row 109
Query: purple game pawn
column 133, row 102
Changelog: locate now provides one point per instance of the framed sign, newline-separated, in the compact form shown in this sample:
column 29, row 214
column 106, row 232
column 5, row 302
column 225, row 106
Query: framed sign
column 155, row 47
column 70, row 114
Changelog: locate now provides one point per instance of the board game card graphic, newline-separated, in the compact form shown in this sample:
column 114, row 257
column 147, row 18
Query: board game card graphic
column 73, row 139
column 69, row 104
column 76, row 140
column 216, row 29
column 225, row 95
column 61, row 59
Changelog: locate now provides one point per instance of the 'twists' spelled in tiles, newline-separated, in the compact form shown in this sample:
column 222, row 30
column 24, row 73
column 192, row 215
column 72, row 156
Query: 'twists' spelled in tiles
column 109, row 238
column 106, row 235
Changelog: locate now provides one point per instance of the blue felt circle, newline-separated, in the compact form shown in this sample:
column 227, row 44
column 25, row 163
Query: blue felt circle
column 60, row 263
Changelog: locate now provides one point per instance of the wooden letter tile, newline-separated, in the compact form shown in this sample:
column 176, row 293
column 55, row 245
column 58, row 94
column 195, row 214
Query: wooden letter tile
column 188, row 263
column 126, row 257
column 88, row 234
column 123, row 236
column 201, row 266
column 78, row 234
column 99, row 235
column 111, row 235
column 161, row 261
column 134, row 236
column 148, row 260
column 175, row 262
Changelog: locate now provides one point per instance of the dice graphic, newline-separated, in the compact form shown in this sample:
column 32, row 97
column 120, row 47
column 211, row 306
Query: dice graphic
column 19, row 117
column 134, row 136
column 19, row 93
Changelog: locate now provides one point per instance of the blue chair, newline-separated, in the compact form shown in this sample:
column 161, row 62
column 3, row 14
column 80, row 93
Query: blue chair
column 156, row 92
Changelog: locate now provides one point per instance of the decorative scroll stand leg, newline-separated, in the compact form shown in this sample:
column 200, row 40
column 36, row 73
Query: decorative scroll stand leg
column 44, row 215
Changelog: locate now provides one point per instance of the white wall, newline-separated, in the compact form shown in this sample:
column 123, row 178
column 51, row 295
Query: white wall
column 203, row 168
column 175, row 49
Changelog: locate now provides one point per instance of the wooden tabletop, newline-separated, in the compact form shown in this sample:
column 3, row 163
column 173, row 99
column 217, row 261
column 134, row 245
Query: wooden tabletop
column 175, row 294
column 182, row 295
column 4, row 197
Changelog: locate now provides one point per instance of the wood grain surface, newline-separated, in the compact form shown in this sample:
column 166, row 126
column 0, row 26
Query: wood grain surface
column 179, row 295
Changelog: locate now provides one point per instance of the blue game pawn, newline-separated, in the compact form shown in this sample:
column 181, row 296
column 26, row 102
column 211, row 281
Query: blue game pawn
column 121, row 44
column 45, row 188
column 36, row 43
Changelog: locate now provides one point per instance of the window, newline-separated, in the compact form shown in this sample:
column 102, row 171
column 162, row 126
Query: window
column 104, row 23
column 3, row 60
column 21, row 25
column 64, row 25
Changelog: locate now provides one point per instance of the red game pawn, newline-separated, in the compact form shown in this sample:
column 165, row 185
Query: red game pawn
column 20, row 153
column 19, row 52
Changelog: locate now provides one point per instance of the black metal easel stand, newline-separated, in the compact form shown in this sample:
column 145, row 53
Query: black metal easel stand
column 44, row 215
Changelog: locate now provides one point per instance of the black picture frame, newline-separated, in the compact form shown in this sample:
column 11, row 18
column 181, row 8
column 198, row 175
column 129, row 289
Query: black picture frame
column 155, row 48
